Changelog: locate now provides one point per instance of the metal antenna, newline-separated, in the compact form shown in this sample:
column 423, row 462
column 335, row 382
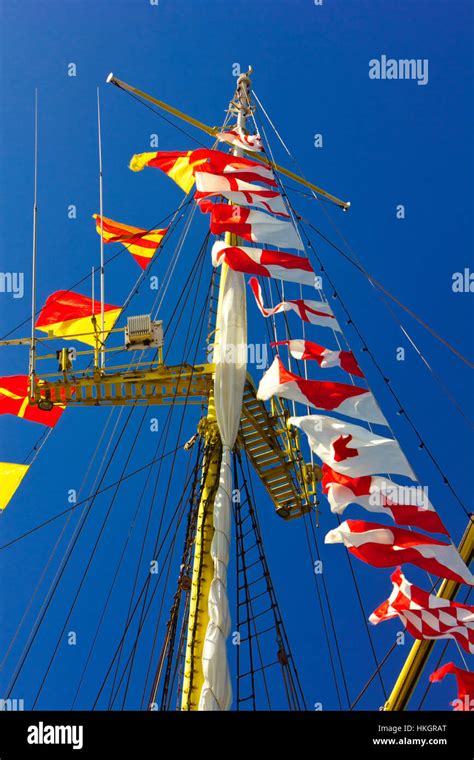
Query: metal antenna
column 101, row 211
column 32, row 358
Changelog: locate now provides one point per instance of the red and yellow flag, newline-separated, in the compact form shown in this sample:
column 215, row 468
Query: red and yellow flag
column 11, row 476
column 178, row 165
column 69, row 315
column 142, row 244
column 14, row 400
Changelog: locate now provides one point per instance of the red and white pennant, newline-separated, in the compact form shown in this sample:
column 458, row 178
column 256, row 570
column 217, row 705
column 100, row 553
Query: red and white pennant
column 382, row 546
column 255, row 226
column 238, row 191
column 406, row 505
column 352, row 449
column 277, row 264
column 235, row 166
column 239, row 139
column 465, row 682
column 337, row 397
column 425, row 615
column 315, row 312
column 305, row 350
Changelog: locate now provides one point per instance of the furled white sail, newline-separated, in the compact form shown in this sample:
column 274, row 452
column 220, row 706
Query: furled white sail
column 231, row 366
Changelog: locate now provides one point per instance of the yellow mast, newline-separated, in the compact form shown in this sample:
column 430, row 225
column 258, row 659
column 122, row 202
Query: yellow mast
column 203, row 568
column 410, row 673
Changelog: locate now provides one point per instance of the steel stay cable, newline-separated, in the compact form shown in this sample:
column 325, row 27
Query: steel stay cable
column 50, row 559
column 135, row 645
column 77, row 504
column 378, row 285
column 168, row 418
column 325, row 627
column 83, row 519
column 91, row 557
column 241, row 570
column 144, row 587
column 88, row 498
column 202, row 259
column 374, row 675
column 188, row 390
column 107, row 261
column 44, row 437
column 402, row 410
column 358, row 265
column 112, row 585
column 384, row 292
column 168, row 648
column 251, row 498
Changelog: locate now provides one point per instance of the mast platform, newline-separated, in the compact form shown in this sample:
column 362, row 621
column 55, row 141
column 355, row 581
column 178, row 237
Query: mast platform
column 273, row 452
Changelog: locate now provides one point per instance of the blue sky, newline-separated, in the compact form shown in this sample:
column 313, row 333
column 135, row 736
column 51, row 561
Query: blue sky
column 385, row 143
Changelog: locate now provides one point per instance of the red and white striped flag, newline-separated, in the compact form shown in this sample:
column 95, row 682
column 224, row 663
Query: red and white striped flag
column 315, row 312
column 406, row 505
column 238, row 191
column 235, row 166
column 425, row 615
column 255, row 226
column 351, row 449
column 305, row 350
column 239, row 139
column 336, row 397
column 277, row 264
column 465, row 683
column 381, row 546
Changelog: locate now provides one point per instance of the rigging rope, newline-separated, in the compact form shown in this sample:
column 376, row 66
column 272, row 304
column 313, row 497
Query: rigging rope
column 185, row 350
column 358, row 265
column 107, row 261
column 69, row 550
column 294, row 682
column 401, row 409
column 144, row 612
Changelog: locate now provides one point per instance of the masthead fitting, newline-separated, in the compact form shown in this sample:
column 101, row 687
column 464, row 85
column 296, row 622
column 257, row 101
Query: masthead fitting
column 110, row 78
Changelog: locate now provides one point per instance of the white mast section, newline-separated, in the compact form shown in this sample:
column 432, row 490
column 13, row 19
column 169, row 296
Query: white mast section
column 101, row 211
column 230, row 357
column 32, row 358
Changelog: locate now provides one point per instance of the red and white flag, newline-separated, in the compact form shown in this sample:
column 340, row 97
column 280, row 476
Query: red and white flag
column 406, row 505
column 305, row 350
column 235, row 166
column 255, row 226
column 239, row 139
column 425, row 615
column 277, row 264
column 238, row 191
column 351, row 449
column 336, row 397
column 315, row 312
column 381, row 546
column 465, row 682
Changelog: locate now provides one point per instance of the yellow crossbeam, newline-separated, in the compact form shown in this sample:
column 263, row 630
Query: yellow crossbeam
column 212, row 131
column 261, row 435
